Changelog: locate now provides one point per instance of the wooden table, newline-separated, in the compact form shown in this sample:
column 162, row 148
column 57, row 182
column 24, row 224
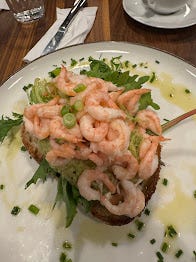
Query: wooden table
column 112, row 23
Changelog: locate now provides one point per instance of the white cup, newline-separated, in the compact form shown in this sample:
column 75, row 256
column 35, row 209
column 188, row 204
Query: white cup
column 166, row 6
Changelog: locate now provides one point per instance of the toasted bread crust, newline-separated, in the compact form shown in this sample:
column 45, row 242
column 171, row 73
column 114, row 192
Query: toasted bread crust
column 148, row 188
column 97, row 210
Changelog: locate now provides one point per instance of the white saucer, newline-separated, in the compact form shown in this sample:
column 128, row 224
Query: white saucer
column 138, row 10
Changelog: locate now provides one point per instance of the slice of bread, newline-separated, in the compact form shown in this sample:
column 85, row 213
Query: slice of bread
column 97, row 210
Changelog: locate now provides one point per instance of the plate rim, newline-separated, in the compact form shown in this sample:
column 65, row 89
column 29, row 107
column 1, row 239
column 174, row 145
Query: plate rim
column 101, row 42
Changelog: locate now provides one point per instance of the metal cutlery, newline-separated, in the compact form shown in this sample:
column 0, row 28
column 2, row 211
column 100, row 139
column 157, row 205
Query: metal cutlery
column 54, row 42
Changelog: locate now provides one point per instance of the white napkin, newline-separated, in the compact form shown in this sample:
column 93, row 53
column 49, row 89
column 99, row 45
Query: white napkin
column 3, row 5
column 76, row 34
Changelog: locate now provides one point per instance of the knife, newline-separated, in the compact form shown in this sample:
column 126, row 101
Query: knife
column 54, row 42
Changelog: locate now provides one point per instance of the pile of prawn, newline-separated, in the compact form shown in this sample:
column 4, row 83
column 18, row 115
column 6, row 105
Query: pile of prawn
column 102, row 134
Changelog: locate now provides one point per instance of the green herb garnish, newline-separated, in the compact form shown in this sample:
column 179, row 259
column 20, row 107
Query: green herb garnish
column 147, row 212
column 160, row 256
column 69, row 120
column 71, row 197
column 130, row 235
column 2, row 187
column 152, row 241
column 187, row 91
column 23, row 148
column 79, row 88
column 78, row 106
column 64, row 258
column 170, row 231
column 139, row 224
column 194, row 193
column 41, row 173
column 165, row 247
column 67, row 245
column 114, row 244
column 165, row 181
column 179, row 253
column 6, row 124
column 153, row 77
column 54, row 73
column 73, row 62
column 16, row 210
column 33, row 209
column 65, row 109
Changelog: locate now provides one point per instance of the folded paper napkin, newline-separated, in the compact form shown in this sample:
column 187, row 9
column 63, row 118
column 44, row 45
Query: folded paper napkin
column 76, row 34
column 3, row 5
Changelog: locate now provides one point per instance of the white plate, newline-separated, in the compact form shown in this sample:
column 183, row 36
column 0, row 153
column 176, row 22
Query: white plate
column 39, row 238
column 138, row 10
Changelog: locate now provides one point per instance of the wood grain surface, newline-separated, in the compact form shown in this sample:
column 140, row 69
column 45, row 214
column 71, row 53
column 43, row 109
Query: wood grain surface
column 111, row 23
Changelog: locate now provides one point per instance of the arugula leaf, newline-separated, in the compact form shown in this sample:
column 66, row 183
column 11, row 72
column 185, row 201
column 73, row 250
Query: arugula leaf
column 55, row 72
column 6, row 124
column 146, row 100
column 114, row 74
column 70, row 195
column 41, row 173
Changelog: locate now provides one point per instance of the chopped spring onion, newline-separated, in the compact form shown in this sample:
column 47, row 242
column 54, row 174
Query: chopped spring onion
column 65, row 109
column 153, row 77
column 73, row 62
column 152, row 241
column 147, row 212
column 130, row 235
column 187, row 91
column 159, row 255
column 165, row 247
column 179, row 253
column 23, row 148
column 78, row 105
column 79, row 88
column 114, row 244
column 69, row 120
column 170, row 231
column 67, row 245
column 139, row 224
column 63, row 257
column 194, row 253
column 194, row 193
column 15, row 211
column 33, row 209
column 2, row 187
column 165, row 182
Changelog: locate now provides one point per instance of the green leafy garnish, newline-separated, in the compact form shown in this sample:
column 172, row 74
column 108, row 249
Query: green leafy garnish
column 113, row 72
column 7, row 123
column 55, row 72
column 146, row 100
column 71, row 197
column 41, row 173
